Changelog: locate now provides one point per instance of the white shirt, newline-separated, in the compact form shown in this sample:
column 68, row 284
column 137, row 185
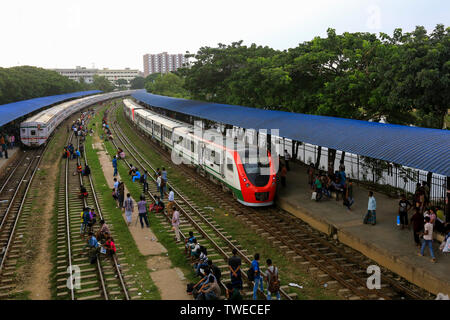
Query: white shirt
column 428, row 227
column 171, row 196
column 158, row 181
column 176, row 218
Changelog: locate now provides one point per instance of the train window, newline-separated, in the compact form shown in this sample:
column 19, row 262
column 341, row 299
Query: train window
column 230, row 164
column 33, row 132
column 217, row 158
column 192, row 146
column 24, row 130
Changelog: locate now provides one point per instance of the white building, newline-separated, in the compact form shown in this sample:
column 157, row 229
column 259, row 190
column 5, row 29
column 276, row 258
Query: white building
column 115, row 74
column 78, row 73
column 88, row 74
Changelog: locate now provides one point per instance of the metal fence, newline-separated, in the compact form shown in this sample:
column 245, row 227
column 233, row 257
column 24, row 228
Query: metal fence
column 399, row 179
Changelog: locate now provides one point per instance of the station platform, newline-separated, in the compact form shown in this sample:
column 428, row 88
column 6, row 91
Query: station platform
column 384, row 242
column 12, row 156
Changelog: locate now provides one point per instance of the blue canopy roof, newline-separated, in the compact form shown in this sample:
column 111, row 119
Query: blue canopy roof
column 420, row 148
column 15, row 110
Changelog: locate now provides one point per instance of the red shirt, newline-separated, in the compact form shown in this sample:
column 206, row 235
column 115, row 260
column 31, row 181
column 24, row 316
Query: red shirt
column 110, row 245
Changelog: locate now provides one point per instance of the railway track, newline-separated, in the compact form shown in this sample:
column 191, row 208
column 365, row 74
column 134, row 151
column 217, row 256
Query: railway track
column 105, row 279
column 333, row 264
column 16, row 195
column 217, row 241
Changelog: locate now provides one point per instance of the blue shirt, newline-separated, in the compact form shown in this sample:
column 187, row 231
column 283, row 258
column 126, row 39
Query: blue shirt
column 372, row 203
column 138, row 174
column 191, row 239
column 93, row 242
column 164, row 175
column 255, row 266
column 114, row 162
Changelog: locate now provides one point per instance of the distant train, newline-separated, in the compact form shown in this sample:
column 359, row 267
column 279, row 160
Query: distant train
column 35, row 131
column 237, row 169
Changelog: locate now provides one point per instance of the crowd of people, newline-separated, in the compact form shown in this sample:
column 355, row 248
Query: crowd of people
column 7, row 141
column 425, row 220
column 207, row 288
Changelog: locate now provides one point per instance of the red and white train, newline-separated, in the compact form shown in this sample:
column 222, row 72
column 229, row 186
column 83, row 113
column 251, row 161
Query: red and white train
column 251, row 180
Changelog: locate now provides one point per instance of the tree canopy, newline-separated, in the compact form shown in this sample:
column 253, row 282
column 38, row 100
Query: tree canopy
column 22, row 83
column 168, row 84
column 137, row 83
column 103, row 84
column 403, row 78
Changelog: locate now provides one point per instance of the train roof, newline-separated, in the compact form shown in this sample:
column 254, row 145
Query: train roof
column 166, row 121
column 12, row 111
column 46, row 115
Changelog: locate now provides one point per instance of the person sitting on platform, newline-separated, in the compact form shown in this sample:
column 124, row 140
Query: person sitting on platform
column 337, row 187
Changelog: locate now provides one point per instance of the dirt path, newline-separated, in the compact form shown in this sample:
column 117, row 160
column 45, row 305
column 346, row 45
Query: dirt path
column 38, row 282
column 170, row 281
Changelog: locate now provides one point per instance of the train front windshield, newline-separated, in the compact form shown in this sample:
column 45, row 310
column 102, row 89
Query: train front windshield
column 257, row 173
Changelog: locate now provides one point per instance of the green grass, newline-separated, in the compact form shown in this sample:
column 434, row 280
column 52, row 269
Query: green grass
column 176, row 256
column 289, row 271
column 137, row 262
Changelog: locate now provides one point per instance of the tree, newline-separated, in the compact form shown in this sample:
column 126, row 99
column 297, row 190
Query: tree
column 121, row 82
column 137, row 83
column 25, row 82
column 168, row 85
column 103, row 84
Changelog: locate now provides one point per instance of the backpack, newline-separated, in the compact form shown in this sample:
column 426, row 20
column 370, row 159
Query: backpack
column 251, row 274
column 217, row 273
column 204, row 250
column 274, row 284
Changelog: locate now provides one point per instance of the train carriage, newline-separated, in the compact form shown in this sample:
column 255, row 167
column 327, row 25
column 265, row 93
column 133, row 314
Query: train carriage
column 251, row 179
column 35, row 131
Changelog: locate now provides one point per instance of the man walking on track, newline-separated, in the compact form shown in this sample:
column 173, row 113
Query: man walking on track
column 273, row 282
column 176, row 223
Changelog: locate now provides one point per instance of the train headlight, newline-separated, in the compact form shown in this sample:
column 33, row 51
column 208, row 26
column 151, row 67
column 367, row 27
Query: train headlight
column 247, row 185
column 245, row 180
column 273, row 178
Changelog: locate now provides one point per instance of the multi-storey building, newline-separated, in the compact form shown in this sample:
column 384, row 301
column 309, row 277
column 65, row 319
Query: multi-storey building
column 78, row 73
column 114, row 74
column 162, row 62
column 88, row 74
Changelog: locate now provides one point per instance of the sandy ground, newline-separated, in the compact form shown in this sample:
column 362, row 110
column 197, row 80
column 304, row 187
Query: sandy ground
column 39, row 282
column 170, row 281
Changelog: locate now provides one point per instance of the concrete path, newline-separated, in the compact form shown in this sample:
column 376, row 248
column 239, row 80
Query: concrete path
column 12, row 156
column 384, row 242
column 170, row 281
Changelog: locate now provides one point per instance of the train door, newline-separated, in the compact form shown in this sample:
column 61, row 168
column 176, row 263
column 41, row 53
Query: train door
column 229, row 168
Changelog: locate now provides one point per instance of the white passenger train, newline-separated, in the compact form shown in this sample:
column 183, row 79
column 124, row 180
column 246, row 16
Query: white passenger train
column 35, row 130
column 237, row 169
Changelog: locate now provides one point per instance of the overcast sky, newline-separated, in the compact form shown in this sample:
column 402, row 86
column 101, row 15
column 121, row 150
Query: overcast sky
column 115, row 34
